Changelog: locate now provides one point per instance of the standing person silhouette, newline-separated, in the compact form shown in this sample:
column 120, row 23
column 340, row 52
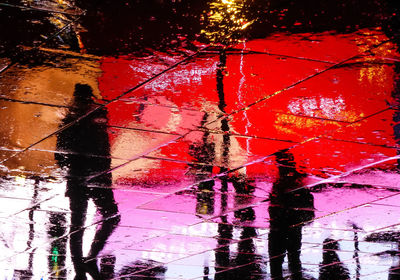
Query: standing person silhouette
column 86, row 154
column 291, row 206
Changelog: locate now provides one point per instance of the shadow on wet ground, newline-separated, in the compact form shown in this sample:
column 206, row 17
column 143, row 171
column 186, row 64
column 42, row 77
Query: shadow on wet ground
column 220, row 139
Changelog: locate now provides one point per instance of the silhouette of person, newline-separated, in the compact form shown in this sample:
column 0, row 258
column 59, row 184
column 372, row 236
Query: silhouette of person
column 290, row 207
column 247, row 261
column 204, row 154
column 86, row 154
column 332, row 268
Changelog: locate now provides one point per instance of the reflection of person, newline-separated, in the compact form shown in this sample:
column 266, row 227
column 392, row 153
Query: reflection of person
column 247, row 261
column 290, row 207
column 332, row 268
column 204, row 155
column 87, row 154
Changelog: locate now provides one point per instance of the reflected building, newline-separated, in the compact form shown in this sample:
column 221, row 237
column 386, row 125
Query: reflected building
column 84, row 154
column 291, row 206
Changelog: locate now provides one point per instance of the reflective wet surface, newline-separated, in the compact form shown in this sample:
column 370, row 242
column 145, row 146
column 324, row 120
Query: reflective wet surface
column 226, row 139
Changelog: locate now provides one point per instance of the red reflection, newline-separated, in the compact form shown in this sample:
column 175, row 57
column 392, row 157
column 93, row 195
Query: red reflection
column 332, row 104
column 326, row 46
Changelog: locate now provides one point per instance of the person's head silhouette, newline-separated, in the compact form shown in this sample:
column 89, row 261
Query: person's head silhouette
column 83, row 93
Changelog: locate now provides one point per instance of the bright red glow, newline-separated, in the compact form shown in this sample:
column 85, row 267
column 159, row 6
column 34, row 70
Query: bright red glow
column 291, row 100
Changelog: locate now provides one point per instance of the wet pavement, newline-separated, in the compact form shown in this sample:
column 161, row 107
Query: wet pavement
column 227, row 139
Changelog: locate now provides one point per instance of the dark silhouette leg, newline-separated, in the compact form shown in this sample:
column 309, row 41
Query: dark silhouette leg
column 293, row 248
column 276, row 249
column 103, row 198
column 106, row 205
column 78, row 206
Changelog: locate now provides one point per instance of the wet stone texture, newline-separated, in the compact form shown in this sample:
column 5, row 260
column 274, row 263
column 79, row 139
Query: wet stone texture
column 219, row 139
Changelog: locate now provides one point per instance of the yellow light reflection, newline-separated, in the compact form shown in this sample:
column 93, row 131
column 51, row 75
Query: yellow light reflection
column 291, row 124
column 224, row 21
column 374, row 72
column 60, row 20
column 20, row 179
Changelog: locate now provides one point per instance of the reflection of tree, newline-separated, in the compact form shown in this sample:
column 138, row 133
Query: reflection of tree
column 291, row 206
column 86, row 154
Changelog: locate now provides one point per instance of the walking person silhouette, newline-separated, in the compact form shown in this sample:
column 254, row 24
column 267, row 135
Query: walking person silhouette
column 84, row 155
